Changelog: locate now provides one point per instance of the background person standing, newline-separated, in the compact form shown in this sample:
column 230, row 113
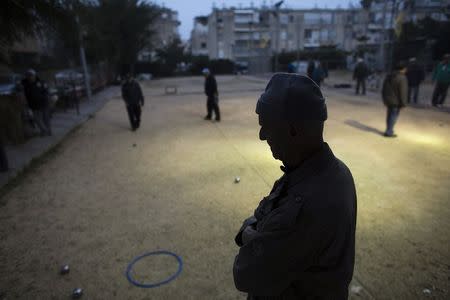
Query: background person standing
column 134, row 99
column 415, row 75
column 395, row 91
column 36, row 93
column 441, row 76
column 318, row 74
column 212, row 102
column 360, row 74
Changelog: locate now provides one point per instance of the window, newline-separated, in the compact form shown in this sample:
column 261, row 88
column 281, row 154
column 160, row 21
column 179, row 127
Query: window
column 283, row 35
column 291, row 19
column 312, row 18
column 243, row 19
column 324, row 34
column 308, row 33
column 326, row 18
column 203, row 45
column 284, row 19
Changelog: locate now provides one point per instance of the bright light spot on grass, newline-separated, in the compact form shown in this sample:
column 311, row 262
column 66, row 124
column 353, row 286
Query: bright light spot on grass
column 424, row 139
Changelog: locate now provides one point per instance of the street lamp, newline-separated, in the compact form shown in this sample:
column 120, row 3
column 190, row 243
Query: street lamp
column 277, row 31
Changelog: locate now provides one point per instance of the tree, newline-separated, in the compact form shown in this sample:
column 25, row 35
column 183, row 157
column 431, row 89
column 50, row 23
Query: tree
column 366, row 3
column 168, row 57
column 416, row 38
column 117, row 30
column 19, row 18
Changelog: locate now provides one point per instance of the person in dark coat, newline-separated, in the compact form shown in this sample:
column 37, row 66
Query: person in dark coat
column 318, row 74
column 212, row 101
column 300, row 241
column 360, row 74
column 36, row 93
column 395, row 93
column 134, row 100
column 441, row 75
column 415, row 75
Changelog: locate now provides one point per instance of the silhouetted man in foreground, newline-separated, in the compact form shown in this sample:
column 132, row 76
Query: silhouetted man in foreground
column 300, row 242
column 134, row 99
column 212, row 101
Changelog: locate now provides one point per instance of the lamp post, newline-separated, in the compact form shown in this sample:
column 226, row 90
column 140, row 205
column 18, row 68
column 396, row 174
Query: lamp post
column 87, row 80
column 277, row 31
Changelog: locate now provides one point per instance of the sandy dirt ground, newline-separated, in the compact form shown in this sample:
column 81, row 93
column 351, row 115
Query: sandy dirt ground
column 97, row 201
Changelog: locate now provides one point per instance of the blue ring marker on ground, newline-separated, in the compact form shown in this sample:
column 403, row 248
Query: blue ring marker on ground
column 153, row 285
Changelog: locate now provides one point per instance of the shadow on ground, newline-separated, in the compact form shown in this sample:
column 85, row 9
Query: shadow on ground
column 363, row 127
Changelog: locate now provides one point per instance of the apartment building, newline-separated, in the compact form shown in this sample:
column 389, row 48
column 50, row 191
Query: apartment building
column 251, row 35
column 199, row 36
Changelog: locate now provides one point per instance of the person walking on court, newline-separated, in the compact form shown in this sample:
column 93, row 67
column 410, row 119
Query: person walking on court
column 360, row 74
column 415, row 75
column 36, row 93
column 134, row 100
column 212, row 101
column 318, row 74
column 394, row 92
column 310, row 68
column 441, row 76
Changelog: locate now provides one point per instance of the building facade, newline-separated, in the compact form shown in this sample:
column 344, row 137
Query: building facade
column 251, row 36
column 199, row 36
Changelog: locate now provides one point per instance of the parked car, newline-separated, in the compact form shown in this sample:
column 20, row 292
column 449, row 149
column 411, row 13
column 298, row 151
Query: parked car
column 70, row 81
column 144, row 76
column 300, row 66
column 8, row 83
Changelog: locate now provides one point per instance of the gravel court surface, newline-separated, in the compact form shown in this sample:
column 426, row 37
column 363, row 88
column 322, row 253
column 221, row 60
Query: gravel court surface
column 98, row 201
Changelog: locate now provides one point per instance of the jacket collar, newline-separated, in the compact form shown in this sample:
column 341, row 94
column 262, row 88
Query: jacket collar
column 318, row 161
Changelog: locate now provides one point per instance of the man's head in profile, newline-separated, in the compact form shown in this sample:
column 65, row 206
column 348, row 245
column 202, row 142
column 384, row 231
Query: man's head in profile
column 300, row 241
column 291, row 114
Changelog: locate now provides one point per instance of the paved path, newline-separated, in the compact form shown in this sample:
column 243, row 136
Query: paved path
column 21, row 156
column 107, row 194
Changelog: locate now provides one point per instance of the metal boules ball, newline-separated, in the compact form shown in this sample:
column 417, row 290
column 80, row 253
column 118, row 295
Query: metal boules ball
column 77, row 293
column 65, row 269
column 237, row 179
column 134, row 145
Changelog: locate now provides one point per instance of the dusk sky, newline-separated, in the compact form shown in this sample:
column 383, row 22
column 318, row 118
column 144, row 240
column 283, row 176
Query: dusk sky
column 188, row 9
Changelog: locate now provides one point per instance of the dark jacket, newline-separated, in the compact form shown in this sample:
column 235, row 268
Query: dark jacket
column 361, row 71
column 132, row 93
column 318, row 75
column 395, row 90
column 441, row 73
column 415, row 74
column 210, row 86
column 36, row 94
column 304, row 245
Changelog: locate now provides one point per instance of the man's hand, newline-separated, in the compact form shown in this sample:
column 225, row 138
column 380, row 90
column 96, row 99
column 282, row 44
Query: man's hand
column 248, row 234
